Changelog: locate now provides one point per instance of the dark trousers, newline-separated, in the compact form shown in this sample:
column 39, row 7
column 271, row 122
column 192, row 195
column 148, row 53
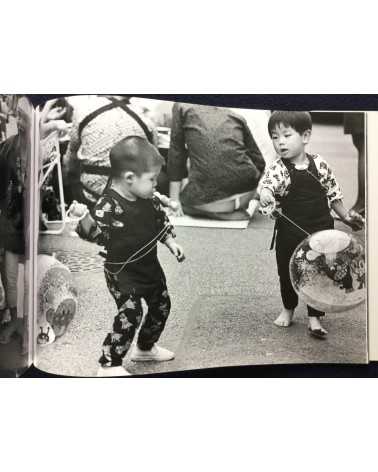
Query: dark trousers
column 285, row 247
column 129, row 317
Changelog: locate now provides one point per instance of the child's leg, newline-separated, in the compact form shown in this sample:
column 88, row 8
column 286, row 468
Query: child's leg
column 128, row 319
column 284, row 250
column 159, row 307
column 314, row 317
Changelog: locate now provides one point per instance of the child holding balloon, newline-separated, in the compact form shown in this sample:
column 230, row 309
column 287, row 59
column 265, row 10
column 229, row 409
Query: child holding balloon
column 306, row 190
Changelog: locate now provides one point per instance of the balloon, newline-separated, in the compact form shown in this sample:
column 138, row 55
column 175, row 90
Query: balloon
column 57, row 299
column 327, row 271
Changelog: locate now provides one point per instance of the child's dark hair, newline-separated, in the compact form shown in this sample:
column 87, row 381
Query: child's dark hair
column 299, row 120
column 134, row 154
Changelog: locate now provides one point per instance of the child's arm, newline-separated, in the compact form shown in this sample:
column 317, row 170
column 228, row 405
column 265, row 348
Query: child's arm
column 96, row 229
column 350, row 218
column 167, row 231
column 335, row 196
column 328, row 180
column 87, row 227
column 273, row 183
column 339, row 208
column 175, row 248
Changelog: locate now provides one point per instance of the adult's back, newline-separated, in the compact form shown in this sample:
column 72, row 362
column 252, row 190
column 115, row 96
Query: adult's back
column 223, row 157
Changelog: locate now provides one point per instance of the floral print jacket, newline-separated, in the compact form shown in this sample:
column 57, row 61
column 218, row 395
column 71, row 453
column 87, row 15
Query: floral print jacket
column 277, row 179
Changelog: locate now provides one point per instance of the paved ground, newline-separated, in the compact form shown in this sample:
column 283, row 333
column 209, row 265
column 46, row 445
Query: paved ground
column 225, row 297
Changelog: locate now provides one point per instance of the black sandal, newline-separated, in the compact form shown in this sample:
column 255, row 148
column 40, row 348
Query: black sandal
column 318, row 333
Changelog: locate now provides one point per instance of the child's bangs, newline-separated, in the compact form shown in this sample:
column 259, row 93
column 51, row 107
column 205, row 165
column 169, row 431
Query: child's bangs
column 300, row 121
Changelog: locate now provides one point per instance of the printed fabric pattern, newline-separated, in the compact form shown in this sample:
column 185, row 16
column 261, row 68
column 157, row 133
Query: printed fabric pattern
column 277, row 179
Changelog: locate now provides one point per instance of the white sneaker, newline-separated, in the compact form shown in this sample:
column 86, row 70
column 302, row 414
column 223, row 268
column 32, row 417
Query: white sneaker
column 157, row 354
column 112, row 372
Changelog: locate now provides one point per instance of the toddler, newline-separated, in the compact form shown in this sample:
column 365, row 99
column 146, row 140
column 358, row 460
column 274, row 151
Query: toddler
column 306, row 190
column 129, row 220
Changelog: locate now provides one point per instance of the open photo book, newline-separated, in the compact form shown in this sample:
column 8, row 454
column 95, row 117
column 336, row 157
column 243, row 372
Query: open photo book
column 142, row 236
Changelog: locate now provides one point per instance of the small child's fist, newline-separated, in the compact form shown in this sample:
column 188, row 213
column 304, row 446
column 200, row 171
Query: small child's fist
column 78, row 209
column 354, row 220
column 266, row 198
column 267, row 202
column 177, row 251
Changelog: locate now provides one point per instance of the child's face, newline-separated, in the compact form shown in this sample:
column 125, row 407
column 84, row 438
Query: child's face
column 288, row 143
column 144, row 186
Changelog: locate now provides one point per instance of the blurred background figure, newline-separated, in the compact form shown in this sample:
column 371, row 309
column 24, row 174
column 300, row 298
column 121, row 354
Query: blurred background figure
column 56, row 115
column 257, row 121
column 214, row 163
column 98, row 122
column 54, row 126
column 354, row 124
column 14, row 159
column 158, row 114
column 12, row 102
column 4, row 117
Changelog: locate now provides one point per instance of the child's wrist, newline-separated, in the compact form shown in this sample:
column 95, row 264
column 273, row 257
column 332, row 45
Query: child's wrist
column 267, row 194
column 87, row 216
column 78, row 210
column 344, row 215
column 169, row 242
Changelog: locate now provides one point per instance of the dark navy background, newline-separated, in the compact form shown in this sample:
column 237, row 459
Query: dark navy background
column 267, row 102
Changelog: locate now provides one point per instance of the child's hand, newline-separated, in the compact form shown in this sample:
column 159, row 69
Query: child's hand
column 267, row 198
column 176, row 209
column 354, row 220
column 176, row 250
column 267, row 203
column 77, row 210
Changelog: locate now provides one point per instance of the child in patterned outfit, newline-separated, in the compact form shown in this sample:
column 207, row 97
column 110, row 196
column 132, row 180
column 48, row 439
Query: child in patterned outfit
column 129, row 221
column 306, row 190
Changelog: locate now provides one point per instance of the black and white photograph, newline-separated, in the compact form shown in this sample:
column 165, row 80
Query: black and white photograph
column 199, row 228
column 16, row 115
column 179, row 236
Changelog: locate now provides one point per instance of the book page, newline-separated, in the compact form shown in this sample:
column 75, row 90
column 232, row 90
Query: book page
column 373, row 233
column 117, row 291
column 16, row 148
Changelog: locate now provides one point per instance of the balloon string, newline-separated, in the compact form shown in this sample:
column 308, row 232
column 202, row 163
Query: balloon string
column 133, row 257
column 317, row 180
column 293, row 223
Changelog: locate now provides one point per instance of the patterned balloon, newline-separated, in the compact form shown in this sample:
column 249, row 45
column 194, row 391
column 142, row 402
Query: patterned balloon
column 327, row 271
column 57, row 299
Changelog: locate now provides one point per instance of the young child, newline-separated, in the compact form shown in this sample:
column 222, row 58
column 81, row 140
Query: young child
column 306, row 190
column 129, row 221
